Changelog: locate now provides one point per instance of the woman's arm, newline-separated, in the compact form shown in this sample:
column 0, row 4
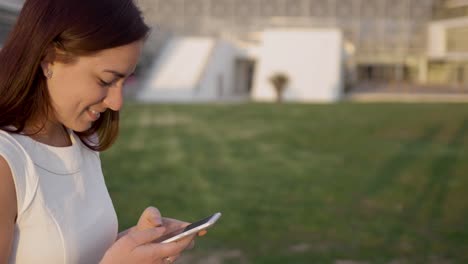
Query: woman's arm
column 8, row 210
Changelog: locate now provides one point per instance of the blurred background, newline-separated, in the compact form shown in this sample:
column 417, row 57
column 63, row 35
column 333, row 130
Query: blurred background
column 325, row 131
column 342, row 49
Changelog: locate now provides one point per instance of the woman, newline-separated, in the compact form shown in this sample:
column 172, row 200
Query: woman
column 61, row 77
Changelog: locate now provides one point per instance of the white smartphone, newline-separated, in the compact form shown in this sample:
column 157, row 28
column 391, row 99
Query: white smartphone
column 190, row 229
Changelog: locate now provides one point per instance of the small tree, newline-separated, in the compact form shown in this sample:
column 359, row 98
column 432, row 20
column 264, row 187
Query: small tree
column 280, row 82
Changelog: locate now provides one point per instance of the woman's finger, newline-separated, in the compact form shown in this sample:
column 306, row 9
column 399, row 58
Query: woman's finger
column 191, row 245
column 140, row 237
column 170, row 260
column 173, row 224
column 150, row 218
column 202, row 233
column 158, row 251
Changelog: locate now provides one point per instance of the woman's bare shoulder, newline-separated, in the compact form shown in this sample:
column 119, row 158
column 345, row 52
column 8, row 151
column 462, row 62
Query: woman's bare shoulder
column 7, row 188
column 8, row 205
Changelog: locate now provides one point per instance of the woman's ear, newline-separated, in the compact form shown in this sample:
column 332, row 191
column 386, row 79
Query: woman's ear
column 46, row 67
column 47, row 70
column 48, row 62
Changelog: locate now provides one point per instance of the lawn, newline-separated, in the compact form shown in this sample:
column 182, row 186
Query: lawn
column 299, row 183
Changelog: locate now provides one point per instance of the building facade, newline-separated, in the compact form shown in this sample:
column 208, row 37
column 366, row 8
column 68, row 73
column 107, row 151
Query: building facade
column 387, row 38
column 448, row 43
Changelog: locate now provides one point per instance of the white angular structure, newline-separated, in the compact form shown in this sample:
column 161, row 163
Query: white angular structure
column 191, row 69
column 312, row 60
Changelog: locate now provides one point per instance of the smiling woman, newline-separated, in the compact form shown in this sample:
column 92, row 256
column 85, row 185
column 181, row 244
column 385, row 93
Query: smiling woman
column 49, row 33
column 84, row 90
column 63, row 69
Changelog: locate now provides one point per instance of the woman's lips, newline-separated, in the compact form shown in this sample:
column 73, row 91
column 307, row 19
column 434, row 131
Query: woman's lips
column 94, row 114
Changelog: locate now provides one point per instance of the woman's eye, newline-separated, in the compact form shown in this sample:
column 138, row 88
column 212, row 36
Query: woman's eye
column 105, row 84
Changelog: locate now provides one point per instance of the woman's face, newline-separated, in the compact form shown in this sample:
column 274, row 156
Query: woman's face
column 80, row 91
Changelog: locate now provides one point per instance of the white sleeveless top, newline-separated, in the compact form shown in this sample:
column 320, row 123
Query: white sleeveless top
column 65, row 214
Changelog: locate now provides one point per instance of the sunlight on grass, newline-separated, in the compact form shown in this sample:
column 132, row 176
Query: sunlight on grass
column 371, row 183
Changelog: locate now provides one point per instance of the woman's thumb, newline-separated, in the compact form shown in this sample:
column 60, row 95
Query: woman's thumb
column 150, row 218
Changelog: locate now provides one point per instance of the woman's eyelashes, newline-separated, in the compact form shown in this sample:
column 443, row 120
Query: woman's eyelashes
column 113, row 82
column 106, row 84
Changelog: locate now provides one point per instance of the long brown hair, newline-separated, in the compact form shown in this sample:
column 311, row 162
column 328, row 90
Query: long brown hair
column 77, row 27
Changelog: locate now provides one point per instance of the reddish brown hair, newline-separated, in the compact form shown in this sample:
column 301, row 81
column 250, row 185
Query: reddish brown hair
column 77, row 27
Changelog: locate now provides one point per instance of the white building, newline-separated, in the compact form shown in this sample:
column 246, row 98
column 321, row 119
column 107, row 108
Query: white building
column 313, row 60
column 207, row 69
column 389, row 37
column 448, row 50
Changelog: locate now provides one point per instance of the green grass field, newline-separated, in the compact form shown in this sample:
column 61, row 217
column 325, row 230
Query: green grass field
column 296, row 183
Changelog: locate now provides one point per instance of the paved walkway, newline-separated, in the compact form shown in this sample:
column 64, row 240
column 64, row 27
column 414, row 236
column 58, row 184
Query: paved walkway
column 402, row 92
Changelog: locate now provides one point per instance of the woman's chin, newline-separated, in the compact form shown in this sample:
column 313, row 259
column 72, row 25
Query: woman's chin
column 81, row 127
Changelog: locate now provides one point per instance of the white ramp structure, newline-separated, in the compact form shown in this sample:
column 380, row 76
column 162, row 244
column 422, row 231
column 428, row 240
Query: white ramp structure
column 191, row 69
column 312, row 60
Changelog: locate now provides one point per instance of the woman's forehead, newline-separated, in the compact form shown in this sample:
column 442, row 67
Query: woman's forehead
column 121, row 59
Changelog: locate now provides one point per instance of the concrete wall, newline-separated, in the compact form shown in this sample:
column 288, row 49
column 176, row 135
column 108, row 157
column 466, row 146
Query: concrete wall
column 218, row 81
column 437, row 39
column 312, row 59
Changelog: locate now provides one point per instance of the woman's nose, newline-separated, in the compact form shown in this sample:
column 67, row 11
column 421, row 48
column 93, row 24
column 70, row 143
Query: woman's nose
column 114, row 98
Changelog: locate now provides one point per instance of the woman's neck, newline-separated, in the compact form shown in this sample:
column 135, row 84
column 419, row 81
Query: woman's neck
column 52, row 134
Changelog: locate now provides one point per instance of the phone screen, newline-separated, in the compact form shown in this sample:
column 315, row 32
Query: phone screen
column 198, row 223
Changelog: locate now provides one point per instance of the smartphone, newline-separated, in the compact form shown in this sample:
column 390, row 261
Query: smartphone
column 190, row 229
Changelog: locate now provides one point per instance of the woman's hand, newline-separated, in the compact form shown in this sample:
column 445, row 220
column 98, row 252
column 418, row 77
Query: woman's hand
column 137, row 247
column 151, row 217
